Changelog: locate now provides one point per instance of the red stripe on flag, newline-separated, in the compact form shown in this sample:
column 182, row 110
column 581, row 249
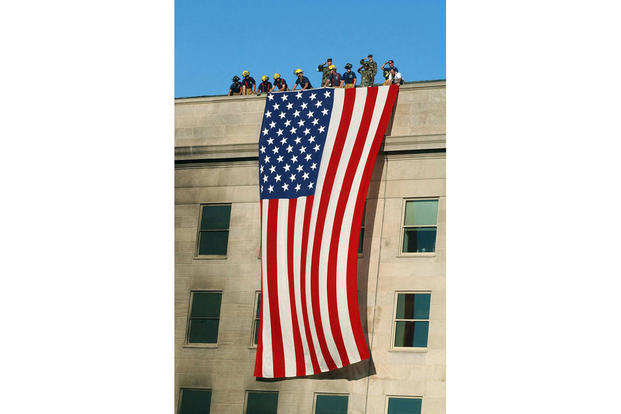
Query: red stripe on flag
column 305, row 230
column 352, row 264
column 300, row 368
column 337, row 149
column 272, row 288
column 350, row 172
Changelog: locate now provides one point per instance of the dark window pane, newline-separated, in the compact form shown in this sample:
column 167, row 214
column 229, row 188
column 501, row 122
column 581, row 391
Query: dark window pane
column 421, row 305
column 331, row 404
column 206, row 304
column 203, row 331
column 256, row 331
column 195, row 402
column 213, row 242
column 259, row 307
column 421, row 213
column 262, row 403
column 361, row 241
column 215, row 217
column 404, row 405
column 419, row 240
column 405, row 306
column 411, row 334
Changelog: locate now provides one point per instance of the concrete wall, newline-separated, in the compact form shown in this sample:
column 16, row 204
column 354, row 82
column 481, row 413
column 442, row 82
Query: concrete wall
column 215, row 143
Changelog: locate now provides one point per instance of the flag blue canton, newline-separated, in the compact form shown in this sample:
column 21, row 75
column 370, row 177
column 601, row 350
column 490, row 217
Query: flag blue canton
column 292, row 138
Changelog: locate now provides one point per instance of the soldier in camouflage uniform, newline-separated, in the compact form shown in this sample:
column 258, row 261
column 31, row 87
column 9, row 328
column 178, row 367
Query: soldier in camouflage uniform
column 372, row 68
column 324, row 67
column 365, row 71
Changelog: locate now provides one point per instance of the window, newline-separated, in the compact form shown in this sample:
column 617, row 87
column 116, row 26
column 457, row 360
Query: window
column 213, row 235
column 411, row 326
column 331, row 404
column 420, row 226
column 195, row 401
column 362, row 227
column 204, row 317
column 261, row 402
column 257, row 318
column 404, row 405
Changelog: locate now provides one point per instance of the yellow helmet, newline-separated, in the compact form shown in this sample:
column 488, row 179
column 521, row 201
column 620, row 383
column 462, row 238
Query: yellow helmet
column 264, row 78
column 245, row 73
column 332, row 67
column 298, row 71
column 276, row 76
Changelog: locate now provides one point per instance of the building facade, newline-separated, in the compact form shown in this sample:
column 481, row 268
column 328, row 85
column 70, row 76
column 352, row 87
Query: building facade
column 401, row 266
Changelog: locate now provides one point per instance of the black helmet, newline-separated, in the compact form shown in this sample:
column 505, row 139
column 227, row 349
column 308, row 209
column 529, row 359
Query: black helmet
column 235, row 78
column 348, row 66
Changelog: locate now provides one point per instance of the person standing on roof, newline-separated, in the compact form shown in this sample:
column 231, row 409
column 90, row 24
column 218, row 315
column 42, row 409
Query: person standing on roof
column 280, row 83
column 334, row 79
column 365, row 73
column 236, row 87
column 349, row 77
column 391, row 64
column 302, row 80
column 325, row 69
column 265, row 86
column 394, row 77
column 248, row 83
column 372, row 68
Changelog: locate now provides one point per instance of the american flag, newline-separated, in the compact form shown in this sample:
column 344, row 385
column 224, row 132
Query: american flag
column 317, row 149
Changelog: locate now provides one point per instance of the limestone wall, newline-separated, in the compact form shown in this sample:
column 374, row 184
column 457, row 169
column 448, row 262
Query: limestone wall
column 216, row 150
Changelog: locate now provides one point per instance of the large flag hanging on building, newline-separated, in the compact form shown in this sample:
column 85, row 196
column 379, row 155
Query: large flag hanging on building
column 317, row 149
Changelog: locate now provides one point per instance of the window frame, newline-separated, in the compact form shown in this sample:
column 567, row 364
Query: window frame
column 187, row 342
column 255, row 320
column 410, row 397
column 192, row 388
column 401, row 253
column 394, row 348
column 197, row 254
column 260, row 391
column 316, row 394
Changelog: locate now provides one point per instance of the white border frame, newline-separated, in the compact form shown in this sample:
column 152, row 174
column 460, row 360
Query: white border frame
column 394, row 348
column 400, row 252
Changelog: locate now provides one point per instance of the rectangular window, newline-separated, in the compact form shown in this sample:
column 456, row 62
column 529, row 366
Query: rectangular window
column 420, row 226
column 213, row 234
column 404, row 405
column 361, row 241
column 331, row 404
column 204, row 317
column 261, row 402
column 411, row 325
column 195, row 401
column 257, row 318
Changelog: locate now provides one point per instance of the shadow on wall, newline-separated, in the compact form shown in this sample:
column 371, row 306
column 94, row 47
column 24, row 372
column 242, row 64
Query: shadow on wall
column 366, row 368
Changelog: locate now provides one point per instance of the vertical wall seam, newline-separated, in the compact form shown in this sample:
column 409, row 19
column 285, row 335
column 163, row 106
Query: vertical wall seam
column 379, row 259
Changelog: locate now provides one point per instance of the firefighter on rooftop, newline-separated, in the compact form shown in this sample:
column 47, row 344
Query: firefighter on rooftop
column 236, row 87
column 302, row 80
column 265, row 86
column 349, row 77
column 325, row 69
column 279, row 83
column 248, row 83
column 334, row 79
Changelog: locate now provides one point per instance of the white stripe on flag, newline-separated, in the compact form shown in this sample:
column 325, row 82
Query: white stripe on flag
column 284, row 308
column 266, row 334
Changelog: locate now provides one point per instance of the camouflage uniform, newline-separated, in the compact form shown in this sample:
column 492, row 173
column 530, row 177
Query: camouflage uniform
column 372, row 71
column 326, row 72
column 366, row 73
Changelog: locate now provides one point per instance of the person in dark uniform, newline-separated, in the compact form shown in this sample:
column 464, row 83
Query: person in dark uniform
column 265, row 86
column 349, row 77
column 280, row 83
column 236, row 87
column 334, row 79
column 248, row 83
column 302, row 80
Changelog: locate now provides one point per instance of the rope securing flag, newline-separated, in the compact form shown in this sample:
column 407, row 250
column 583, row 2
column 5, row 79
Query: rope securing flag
column 317, row 149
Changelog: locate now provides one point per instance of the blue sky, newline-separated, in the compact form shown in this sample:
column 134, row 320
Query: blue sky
column 215, row 40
